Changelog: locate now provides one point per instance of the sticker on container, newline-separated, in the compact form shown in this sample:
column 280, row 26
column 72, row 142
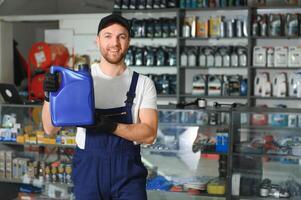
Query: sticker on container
column 40, row 57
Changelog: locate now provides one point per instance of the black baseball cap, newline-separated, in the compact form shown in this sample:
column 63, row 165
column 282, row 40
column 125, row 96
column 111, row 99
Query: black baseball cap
column 111, row 19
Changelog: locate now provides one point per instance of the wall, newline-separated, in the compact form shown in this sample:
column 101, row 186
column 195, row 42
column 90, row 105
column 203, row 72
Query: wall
column 84, row 6
column 6, row 53
column 34, row 7
column 27, row 33
column 28, row 7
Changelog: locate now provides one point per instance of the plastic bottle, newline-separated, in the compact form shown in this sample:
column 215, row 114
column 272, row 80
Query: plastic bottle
column 73, row 103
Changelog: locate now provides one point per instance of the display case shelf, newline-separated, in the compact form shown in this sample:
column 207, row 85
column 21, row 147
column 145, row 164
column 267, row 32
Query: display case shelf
column 270, row 155
column 276, row 98
column 270, row 128
column 35, row 144
column 5, row 180
column 155, row 195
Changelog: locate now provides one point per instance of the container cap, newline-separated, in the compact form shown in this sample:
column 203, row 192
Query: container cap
column 83, row 67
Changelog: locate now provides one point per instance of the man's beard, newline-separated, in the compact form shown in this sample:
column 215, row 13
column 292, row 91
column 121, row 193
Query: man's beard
column 114, row 60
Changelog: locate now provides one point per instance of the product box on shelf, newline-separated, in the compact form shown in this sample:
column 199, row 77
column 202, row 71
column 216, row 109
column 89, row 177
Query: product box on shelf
column 202, row 27
column 278, row 120
column 294, row 84
column 9, row 155
column 199, row 85
column 259, row 56
column 262, row 85
column 214, row 26
column 281, row 56
column 2, row 164
column 280, row 85
column 294, row 56
column 214, row 85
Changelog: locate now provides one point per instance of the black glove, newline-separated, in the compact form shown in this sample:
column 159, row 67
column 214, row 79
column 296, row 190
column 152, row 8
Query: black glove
column 50, row 84
column 102, row 123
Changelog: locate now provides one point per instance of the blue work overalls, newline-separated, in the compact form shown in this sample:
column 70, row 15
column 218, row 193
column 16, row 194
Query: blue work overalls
column 110, row 167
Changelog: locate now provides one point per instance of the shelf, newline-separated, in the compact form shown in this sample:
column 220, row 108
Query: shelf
column 264, row 109
column 174, row 108
column 208, row 68
column 276, row 7
column 214, row 38
column 201, row 126
column 253, row 198
column 276, row 37
column 212, row 97
column 150, row 150
column 5, row 180
column 22, row 105
column 267, row 128
column 275, row 68
column 276, row 98
column 153, row 38
column 229, row 8
column 170, row 152
column 18, row 181
column 155, row 194
column 266, row 155
column 44, row 145
column 160, row 41
column 167, row 96
column 151, row 10
column 155, row 69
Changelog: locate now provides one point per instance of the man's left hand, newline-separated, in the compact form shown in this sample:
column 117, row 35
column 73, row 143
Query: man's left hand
column 102, row 124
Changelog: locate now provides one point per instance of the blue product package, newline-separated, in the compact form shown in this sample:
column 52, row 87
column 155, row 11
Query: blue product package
column 73, row 103
column 221, row 142
column 159, row 183
column 279, row 120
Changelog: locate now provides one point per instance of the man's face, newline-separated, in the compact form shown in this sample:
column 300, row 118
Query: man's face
column 113, row 42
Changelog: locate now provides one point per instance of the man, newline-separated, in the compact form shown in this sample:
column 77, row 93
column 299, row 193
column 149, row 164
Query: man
column 107, row 163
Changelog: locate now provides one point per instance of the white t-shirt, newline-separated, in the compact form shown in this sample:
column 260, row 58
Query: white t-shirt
column 110, row 92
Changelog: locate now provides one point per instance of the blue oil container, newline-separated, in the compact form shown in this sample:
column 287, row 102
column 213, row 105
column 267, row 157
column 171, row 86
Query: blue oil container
column 73, row 103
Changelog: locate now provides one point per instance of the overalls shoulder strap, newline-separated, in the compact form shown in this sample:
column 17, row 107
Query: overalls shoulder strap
column 131, row 94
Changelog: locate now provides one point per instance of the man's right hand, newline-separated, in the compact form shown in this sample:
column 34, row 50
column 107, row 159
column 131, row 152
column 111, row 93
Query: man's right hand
column 51, row 84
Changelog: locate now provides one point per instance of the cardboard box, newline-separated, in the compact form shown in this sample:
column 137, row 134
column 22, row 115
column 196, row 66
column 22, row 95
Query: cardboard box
column 202, row 27
column 215, row 26
column 191, row 21
column 2, row 164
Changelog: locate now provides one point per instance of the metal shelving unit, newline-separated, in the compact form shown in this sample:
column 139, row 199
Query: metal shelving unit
column 254, row 10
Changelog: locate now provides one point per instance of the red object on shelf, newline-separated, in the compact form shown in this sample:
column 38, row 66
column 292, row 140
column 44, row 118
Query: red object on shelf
column 36, row 87
column 176, row 188
column 43, row 55
column 210, row 156
column 193, row 191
